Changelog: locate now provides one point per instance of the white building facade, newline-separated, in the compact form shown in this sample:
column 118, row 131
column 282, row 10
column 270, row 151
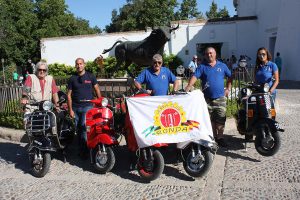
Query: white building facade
column 259, row 23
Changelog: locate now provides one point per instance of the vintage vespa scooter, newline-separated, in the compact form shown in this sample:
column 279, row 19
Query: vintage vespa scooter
column 101, row 134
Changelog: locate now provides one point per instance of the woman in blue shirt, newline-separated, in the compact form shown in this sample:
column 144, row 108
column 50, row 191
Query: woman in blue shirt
column 266, row 70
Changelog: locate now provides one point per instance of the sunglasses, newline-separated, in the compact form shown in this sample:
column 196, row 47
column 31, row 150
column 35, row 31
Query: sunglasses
column 42, row 70
column 262, row 54
column 157, row 62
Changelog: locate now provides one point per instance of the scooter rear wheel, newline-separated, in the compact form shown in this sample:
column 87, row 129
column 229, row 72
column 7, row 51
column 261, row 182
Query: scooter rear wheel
column 267, row 146
column 104, row 161
column 198, row 168
column 157, row 167
column 40, row 168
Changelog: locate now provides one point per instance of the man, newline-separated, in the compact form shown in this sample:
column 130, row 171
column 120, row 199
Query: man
column 156, row 78
column 212, row 73
column 192, row 66
column 43, row 86
column 81, row 87
column 278, row 62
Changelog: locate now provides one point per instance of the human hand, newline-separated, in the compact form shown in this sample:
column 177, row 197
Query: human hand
column 24, row 101
column 227, row 92
column 72, row 114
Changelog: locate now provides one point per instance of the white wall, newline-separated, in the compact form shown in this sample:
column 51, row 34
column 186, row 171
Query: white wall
column 65, row 50
column 288, row 39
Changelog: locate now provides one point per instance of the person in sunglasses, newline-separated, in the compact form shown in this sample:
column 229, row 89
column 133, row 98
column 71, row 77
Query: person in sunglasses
column 43, row 86
column 157, row 78
column 265, row 70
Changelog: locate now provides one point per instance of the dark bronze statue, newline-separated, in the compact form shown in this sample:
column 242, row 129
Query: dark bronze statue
column 141, row 52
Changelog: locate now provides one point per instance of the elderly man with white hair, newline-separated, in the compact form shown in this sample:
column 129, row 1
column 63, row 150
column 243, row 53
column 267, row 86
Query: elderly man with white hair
column 43, row 86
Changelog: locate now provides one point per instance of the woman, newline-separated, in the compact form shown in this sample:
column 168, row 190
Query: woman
column 266, row 70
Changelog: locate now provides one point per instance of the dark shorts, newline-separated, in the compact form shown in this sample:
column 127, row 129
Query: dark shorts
column 217, row 109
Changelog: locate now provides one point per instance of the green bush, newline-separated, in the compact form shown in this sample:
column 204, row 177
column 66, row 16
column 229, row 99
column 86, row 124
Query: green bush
column 109, row 63
column 12, row 120
column 172, row 61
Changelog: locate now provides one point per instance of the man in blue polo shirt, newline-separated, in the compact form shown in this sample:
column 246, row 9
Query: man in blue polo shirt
column 81, row 87
column 212, row 74
column 156, row 78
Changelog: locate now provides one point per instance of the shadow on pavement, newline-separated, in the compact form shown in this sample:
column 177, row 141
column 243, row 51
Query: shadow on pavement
column 234, row 144
column 15, row 154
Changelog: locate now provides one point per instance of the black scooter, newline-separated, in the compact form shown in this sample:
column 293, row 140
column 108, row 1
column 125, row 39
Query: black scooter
column 48, row 131
column 256, row 116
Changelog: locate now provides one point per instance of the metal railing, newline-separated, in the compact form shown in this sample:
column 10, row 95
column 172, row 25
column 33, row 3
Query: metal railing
column 115, row 87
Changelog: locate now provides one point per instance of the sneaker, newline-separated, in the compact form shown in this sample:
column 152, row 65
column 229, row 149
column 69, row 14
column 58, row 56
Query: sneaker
column 221, row 142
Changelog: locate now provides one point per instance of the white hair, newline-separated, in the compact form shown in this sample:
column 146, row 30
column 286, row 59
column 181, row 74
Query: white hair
column 37, row 66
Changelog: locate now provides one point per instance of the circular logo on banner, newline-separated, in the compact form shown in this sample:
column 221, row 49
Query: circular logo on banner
column 169, row 115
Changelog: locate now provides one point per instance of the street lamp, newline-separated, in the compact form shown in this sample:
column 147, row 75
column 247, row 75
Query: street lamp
column 2, row 61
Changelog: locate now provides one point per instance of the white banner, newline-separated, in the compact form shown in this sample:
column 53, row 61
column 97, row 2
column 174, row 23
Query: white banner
column 169, row 119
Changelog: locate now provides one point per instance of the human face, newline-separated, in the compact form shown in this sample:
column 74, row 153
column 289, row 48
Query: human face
column 262, row 56
column 42, row 70
column 80, row 66
column 210, row 55
column 157, row 65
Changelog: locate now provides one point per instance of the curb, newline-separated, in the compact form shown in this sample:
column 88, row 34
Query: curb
column 18, row 135
column 13, row 134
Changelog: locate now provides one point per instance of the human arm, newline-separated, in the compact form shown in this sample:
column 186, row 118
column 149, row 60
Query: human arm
column 276, row 82
column 192, row 81
column 69, row 94
column 228, row 82
column 97, row 90
column 27, row 84
column 175, row 85
column 228, row 86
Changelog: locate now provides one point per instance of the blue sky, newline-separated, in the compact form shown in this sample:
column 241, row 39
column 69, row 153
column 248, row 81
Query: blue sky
column 98, row 12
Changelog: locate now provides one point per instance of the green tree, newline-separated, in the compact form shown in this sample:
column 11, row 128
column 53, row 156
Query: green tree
column 188, row 10
column 214, row 13
column 223, row 12
column 140, row 14
column 17, row 22
column 24, row 22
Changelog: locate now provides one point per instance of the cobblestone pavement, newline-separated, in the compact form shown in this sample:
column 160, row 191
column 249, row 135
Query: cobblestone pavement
column 235, row 174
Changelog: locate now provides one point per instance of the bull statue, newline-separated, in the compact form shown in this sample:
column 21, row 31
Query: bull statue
column 141, row 52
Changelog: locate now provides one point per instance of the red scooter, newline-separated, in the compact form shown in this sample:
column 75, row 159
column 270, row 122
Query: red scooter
column 150, row 162
column 101, row 135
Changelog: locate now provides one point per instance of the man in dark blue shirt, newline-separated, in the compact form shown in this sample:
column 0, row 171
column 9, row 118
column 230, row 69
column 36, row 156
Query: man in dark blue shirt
column 212, row 74
column 156, row 78
column 80, row 87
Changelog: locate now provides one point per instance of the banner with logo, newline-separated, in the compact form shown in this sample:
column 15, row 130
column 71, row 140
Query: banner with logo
column 169, row 119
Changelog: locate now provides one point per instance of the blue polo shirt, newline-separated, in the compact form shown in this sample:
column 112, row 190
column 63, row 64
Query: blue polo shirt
column 264, row 73
column 82, row 88
column 212, row 78
column 159, row 84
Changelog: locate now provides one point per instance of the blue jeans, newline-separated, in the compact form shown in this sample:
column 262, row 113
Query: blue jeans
column 80, row 124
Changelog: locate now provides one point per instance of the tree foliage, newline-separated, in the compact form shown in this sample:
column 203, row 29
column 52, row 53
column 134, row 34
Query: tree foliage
column 24, row 22
column 214, row 13
column 140, row 14
column 188, row 10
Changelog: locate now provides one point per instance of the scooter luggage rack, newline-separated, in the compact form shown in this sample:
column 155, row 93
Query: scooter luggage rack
column 39, row 122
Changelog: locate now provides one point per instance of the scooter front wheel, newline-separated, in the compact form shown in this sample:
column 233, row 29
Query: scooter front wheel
column 199, row 165
column 104, row 161
column 150, row 169
column 266, row 142
column 40, row 166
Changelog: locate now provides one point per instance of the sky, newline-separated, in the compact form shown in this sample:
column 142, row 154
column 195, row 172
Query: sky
column 98, row 12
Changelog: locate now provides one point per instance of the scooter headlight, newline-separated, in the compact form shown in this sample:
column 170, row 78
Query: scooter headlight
column 242, row 63
column 104, row 102
column 244, row 92
column 266, row 87
column 47, row 105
